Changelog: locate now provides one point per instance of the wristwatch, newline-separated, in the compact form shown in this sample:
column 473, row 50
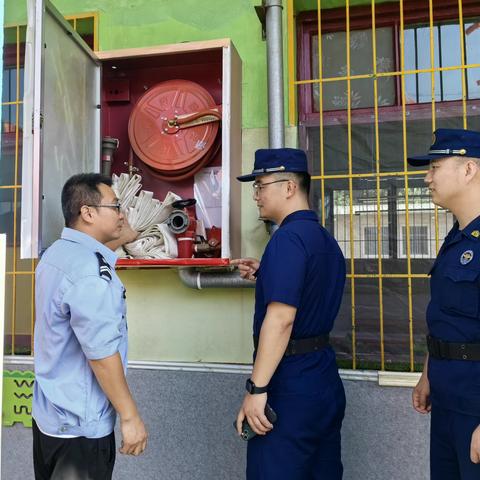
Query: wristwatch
column 253, row 389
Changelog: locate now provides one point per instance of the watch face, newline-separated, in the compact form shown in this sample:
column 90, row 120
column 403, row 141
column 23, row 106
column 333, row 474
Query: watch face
column 249, row 386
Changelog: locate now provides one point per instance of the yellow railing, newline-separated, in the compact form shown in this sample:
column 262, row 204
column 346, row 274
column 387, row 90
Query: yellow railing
column 348, row 175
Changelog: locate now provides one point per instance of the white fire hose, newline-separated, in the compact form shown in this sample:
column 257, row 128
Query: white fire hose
column 155, row 242
column 146, row 215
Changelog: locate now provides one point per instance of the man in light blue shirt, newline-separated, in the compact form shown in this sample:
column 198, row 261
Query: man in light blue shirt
column 81, row 342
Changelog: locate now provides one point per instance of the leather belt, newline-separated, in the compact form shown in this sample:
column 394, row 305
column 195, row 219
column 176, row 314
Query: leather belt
column 302, row 345
column 453, row 350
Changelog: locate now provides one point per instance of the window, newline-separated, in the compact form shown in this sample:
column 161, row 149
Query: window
column 334, row 64
column 19, row 308
column 447, row 54
column 358, row 64
column 371, row 242
column 367, row 100
column 9, row 97
column 418, row 241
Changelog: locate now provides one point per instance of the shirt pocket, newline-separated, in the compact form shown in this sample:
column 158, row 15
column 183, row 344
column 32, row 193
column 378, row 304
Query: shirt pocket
column 460, row 292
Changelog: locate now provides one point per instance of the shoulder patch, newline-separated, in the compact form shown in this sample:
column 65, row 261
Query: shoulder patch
column 103, row 267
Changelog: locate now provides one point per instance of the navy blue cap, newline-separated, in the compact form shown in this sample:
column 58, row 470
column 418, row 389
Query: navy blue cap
column 277, row 160
column 450, row 142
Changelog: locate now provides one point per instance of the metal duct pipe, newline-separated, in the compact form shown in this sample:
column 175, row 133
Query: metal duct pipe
column 199, row 280
column 276, row 127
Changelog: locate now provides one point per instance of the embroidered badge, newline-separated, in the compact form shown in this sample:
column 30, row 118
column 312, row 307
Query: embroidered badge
column 466, row 257
column 476, row 234
column 103, row 267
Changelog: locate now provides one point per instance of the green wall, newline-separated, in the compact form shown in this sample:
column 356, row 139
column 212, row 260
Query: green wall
column 168, row 321
column 140, row 23
column 305, row 5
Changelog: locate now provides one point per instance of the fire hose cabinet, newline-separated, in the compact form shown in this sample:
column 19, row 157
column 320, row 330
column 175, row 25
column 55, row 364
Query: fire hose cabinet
column 170, row 114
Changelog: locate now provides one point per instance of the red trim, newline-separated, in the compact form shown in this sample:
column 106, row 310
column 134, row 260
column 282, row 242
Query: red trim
column 387, row 14
column 389, row 114
column 22, row 341
column 10, row 55
column 171, row 263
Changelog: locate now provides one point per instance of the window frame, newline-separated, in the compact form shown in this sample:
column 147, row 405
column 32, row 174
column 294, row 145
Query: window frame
column 387, row 15
column 366, row 242
column 403, row 245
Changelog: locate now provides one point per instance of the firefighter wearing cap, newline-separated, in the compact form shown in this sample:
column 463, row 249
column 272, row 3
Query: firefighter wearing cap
column 449, row 387
column 299, row 286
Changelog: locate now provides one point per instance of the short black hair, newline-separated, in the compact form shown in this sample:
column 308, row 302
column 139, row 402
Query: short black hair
column 303, row 181
column 79, row 190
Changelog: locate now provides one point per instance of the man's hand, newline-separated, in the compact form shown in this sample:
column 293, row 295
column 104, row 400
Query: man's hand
column 475, row 446
column 247, row 267
column 421, row 395
column 111, row 377
column 253, row 408
column 134, row 436
column 127, row 235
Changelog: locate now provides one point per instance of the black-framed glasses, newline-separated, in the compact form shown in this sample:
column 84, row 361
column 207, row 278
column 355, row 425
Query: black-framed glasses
column 117, row 206
column 258, row 187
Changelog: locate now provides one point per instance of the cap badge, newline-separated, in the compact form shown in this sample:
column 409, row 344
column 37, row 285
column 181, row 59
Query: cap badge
column 475, row 233
column 466, row 257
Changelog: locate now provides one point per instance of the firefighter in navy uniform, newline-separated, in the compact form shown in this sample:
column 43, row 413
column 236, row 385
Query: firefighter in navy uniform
column 449, row 387
column 299, row 286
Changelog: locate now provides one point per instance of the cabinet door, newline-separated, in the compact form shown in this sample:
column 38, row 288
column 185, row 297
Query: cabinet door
column 61, row 131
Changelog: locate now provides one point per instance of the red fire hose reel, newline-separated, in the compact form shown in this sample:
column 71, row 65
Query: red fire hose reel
column 174, row 129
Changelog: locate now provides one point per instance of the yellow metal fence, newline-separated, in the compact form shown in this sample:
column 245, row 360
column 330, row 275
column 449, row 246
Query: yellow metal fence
column 376, row 174
column 20, row 304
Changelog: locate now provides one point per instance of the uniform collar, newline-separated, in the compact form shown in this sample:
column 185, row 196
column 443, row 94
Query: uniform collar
column 472, row 230
column 94, row 245
column 300, row 215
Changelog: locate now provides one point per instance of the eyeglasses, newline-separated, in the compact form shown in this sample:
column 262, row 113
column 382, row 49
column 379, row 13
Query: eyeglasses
column 258, row 187
column 117, row 206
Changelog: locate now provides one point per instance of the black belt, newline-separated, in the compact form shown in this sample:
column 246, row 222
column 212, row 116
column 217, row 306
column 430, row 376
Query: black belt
column 453, row 350
column 302, row 345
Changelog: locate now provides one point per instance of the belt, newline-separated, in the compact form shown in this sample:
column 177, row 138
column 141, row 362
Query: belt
column 453, row 350
column 302, row 345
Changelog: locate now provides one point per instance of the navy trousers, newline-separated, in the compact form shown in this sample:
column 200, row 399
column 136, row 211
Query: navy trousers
column 450, row 437
column 305, row 442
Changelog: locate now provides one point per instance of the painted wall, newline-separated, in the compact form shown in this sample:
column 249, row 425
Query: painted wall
column 189, row 416
column 168, row 321
column 140, row 23
column 303, row 5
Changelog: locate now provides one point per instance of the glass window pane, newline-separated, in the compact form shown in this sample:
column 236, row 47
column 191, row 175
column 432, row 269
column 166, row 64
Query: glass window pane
column 472, row 52
column 451, row 81
column 334, row 64
column 8, row 155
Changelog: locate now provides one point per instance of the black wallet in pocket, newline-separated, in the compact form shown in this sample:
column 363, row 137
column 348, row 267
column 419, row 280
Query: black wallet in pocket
column 247, row 432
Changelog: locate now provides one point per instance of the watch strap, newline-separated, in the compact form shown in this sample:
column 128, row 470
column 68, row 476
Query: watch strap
column 253, row 389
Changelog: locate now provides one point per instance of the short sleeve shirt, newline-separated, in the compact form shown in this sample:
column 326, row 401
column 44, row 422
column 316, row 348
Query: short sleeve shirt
column 453, row 315
column 80, row 316
column 302, row 266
